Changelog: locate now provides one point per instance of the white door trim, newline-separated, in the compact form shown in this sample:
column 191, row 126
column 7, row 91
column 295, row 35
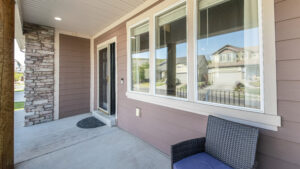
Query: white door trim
column 56, row 76
column 100, row 47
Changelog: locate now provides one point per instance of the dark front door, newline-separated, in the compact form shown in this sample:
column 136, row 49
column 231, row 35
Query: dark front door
column 103, row 79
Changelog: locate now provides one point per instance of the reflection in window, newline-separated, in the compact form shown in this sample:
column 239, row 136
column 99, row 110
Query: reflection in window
column 171, row 62
column 140, row 58
column 228, row 56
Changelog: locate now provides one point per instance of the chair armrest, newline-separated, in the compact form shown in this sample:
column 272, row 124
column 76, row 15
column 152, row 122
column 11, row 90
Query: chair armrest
column 186, row 148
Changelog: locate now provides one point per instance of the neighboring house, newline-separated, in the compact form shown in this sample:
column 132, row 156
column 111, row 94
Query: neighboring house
column 231, row 63
column 19, row 67
column 202, row 74
column 81, row 60
column 233, row 73
column 181, row 70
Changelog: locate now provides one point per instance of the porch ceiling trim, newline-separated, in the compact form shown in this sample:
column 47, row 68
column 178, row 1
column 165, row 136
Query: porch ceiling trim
column 140, row 8
column 19, row 26
column 84, row 17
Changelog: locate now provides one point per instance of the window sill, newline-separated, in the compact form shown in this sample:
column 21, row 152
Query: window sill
column 260, row 120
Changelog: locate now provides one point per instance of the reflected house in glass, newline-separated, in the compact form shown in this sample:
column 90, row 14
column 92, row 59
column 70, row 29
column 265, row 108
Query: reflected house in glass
column 230, row 71
column 229, row 63
column 181, row 70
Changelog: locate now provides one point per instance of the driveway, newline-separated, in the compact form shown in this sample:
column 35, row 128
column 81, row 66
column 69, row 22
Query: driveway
column 19, row 119
column 19, row 97
column 61, row 145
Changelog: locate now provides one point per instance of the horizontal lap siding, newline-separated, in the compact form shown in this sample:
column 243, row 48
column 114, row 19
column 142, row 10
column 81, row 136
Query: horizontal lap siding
column 162, row 127
column 74, row 75
column 281, row 149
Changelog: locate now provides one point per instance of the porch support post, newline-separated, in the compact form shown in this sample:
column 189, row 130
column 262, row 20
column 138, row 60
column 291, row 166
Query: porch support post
column 7, row 84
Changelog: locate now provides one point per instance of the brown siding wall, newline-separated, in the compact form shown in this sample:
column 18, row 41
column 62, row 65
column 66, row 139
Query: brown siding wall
column 162, row 127
column 74, row 75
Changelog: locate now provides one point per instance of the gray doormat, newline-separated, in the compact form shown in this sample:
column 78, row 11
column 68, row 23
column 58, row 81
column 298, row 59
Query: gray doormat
column 90, row 122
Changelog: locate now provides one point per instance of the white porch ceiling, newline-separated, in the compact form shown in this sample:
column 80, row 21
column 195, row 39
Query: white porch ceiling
column 79, row 16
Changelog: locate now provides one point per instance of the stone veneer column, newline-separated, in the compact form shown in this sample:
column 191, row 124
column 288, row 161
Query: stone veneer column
column 39, row 73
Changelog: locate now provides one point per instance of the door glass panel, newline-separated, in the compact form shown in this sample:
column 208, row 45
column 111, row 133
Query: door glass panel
column 103, row 78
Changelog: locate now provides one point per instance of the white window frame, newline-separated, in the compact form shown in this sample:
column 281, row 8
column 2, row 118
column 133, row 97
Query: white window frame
column 261, row 64
column 129, row 69
column 156, row 15
column 267, row 118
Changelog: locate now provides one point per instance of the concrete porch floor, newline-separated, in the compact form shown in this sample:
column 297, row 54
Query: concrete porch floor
column 61, row 145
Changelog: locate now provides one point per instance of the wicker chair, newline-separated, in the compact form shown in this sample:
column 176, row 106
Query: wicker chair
column 231, row 143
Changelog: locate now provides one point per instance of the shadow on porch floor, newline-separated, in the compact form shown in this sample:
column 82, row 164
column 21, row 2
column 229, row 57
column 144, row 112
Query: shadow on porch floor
column 60, row 145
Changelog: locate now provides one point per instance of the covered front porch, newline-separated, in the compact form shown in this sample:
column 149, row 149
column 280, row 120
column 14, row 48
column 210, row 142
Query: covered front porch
column 153, row 71
column 61, row 144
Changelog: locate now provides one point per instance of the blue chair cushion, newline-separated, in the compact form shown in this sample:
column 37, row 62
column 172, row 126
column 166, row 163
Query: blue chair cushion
column 200, row 161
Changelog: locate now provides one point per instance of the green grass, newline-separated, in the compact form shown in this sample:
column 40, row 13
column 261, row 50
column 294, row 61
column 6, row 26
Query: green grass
column 144, row 85
column 160, row 83
column 255, row 91
column 19, row 90
column 18, row 106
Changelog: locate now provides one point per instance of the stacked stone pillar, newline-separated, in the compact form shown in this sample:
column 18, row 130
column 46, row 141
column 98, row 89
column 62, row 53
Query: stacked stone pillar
column 39, row 73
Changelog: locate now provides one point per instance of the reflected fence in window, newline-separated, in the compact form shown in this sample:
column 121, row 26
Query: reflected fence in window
column 181, row 92
column 229, row 97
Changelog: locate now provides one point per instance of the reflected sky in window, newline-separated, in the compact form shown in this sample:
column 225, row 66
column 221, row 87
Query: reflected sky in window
column 144, row 55
column 180, row 51
column 207, row 46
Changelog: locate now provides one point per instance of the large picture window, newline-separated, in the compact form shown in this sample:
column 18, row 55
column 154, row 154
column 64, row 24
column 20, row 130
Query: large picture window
column 140, row 58
column 171, row 49
column 207, row 57
column 228, row 53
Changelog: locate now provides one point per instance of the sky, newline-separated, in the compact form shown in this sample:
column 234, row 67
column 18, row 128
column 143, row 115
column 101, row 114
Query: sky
column 207, row 46
column 162, row 52
column 210, row 45
column 19, row 56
